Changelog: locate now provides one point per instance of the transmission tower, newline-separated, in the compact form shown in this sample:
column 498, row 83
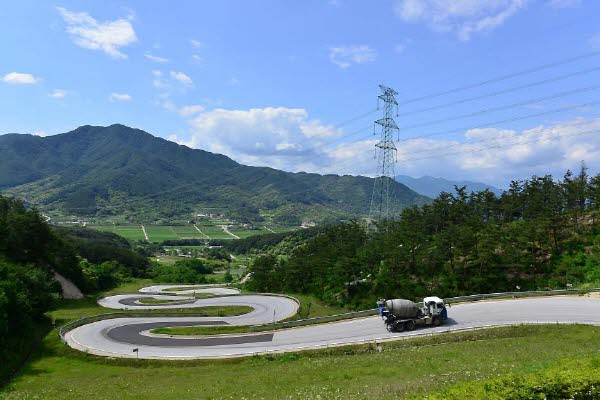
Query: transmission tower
column 385, row 152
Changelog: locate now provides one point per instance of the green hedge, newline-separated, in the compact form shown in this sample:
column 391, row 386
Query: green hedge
column 576, row 380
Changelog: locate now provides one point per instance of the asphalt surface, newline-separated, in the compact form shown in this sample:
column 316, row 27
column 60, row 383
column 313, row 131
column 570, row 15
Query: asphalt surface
column 100, row 338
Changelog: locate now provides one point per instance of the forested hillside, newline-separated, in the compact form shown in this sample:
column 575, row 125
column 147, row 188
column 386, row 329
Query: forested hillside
column 539, row 234
column 30, row 252
column 120, row 171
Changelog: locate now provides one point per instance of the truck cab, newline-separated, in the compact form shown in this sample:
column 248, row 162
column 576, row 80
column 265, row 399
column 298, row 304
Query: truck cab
column 435, row 307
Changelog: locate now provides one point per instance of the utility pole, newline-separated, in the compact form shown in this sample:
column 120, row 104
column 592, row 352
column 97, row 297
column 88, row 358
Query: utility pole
column 385, row 151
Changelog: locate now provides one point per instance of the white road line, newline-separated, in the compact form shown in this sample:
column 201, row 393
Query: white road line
column 226, row 230
column 145, row 234
column 202, row 233
column 269, row 229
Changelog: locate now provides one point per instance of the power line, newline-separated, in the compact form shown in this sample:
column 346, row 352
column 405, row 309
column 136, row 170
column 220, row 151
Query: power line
column 500, row 146
column 487, row 125
column 502, row 78
column 506, row 107
column 533, row 131
column 513, row 89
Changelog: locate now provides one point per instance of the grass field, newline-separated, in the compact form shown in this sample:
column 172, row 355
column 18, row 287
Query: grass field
column 394, row 370
column 243, row 233
column 131, row 232
column 214, row 232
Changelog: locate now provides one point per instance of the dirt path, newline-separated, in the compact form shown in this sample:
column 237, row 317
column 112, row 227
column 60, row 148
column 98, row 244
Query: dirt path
column 69, row 290
column 226, row 230
column 145, row 234
column 202, row 233
column 269, row 229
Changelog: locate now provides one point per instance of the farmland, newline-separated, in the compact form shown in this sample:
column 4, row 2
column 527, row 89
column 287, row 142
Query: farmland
column 206, row 230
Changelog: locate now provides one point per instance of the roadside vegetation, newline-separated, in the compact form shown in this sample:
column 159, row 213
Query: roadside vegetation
column 540, row 234
column 390, row 370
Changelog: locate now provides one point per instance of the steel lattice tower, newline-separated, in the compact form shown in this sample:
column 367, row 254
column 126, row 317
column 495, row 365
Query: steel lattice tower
column 385, row 151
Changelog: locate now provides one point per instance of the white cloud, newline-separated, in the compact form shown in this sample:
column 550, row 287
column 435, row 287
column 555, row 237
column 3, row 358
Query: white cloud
column 190, row 110
column 107, row 36
column 462, row 17
column 289, row 139
column 345, row 56
column 233, row 81
column 279, row 137
column 119, row 97
column 40, row 133
column 157, row 59
column 196, row 43
column 19, row 78
column 58, row 94
column 181, row 77
column 197, row 58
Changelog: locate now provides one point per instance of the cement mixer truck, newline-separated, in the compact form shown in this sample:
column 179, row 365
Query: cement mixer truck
column 404, row 315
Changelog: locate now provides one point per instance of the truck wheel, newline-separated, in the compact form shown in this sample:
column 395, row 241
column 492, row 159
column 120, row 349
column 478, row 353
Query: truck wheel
column 410, row 325
column 436, row 321
column 399, row 327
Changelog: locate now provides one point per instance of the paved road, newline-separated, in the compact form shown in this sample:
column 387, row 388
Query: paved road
column 117, row 337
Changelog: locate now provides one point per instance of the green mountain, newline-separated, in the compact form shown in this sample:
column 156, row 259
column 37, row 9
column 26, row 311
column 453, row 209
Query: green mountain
column 432, row 187
column 97, row 171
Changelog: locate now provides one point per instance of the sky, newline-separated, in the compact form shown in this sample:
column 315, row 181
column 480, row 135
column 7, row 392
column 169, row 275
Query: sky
column 488, row 90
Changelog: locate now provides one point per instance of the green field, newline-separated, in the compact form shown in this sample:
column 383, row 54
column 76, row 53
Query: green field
column 392, row 370
column 159, row 233
column 243, row 233
column 215, row 232
column 131, row 232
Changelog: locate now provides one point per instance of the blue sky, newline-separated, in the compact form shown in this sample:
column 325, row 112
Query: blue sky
column 269, row 82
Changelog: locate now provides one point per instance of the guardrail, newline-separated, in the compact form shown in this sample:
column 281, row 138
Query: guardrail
column 307, row 321
column 62, row 330
column 520, row 294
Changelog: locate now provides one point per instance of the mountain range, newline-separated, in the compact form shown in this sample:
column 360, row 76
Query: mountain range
column 118, row 171
column 432, row 187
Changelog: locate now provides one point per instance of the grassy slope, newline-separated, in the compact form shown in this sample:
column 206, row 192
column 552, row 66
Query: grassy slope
column 403, row 367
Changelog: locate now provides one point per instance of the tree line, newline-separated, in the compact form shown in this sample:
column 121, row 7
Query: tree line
column 540, row 233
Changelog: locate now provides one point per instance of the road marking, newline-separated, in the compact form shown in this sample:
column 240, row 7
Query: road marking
column 145, row 234
column 202, row 233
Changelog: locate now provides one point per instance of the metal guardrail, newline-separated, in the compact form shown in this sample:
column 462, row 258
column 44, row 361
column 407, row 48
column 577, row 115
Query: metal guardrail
column 307, row 321
column 62, row 330
column 520, row 294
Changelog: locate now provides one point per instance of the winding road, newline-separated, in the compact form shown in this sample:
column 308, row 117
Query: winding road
column 118, row 337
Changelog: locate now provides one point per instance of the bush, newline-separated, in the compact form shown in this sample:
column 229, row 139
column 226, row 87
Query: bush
column 184, row 271
column 576, row 380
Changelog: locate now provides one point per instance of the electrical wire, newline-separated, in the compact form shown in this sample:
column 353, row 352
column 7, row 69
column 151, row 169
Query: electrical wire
column 503, row 77
column 488, row 125
column 506, row 107
column 513, row 89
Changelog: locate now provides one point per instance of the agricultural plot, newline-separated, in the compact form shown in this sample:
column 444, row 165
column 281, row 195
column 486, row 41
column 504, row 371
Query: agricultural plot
column 187, row 232
column 244, row 233
column 215, row 232
column 131, row 232
column 158, row 233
